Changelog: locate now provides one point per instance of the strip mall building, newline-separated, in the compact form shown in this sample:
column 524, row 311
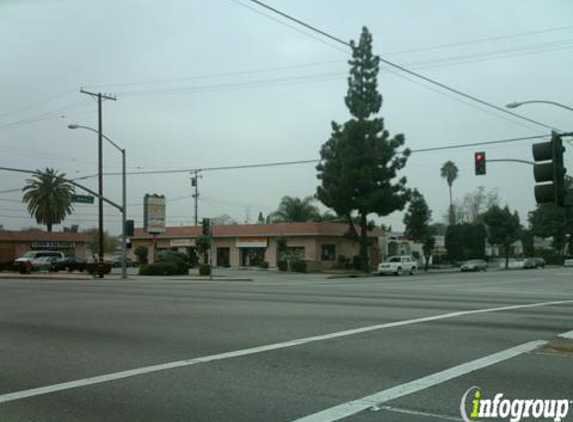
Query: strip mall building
column 321, row 245
column 14, row 244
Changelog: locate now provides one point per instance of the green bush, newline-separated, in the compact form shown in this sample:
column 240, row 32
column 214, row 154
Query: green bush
column 298, row 266
column 8, row 266
column 159, row 268
column 204, row 269
column 264, row 265
column 282, row 265
column 182, row 266
column 356, row 262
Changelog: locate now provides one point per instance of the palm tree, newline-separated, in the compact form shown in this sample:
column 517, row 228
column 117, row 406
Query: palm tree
column 293, row 209
column 49, row 197
column 449, row 172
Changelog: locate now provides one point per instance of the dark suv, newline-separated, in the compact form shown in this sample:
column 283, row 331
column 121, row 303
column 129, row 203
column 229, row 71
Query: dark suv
column 69, row 263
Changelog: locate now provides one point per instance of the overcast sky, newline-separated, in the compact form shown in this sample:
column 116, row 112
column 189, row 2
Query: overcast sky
column 212, row 83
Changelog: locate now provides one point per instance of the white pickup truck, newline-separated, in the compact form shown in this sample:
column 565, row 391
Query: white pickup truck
column 398, row 264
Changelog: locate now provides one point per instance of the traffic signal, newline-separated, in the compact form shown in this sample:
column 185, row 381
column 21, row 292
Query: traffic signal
column 549, row 171
column 206, row 227
column 479, row 159
column 129, row 228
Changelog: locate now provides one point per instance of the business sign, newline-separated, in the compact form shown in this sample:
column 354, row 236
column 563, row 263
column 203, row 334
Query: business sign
column 251, row 242
column 182, row 243
column 53, row 245
column 154, row 213
column 82, row 199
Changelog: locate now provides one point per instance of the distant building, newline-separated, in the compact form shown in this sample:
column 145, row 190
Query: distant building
column 321, row 245
column 14, row 244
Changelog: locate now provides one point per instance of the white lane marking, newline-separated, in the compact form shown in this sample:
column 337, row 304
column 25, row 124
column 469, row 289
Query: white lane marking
column 17, row 395
column 418, row 413
column 567, row 335
column 355, row 406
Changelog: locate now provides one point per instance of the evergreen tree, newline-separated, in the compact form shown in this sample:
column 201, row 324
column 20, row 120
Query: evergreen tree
column 503, row 228
column 360, row 160
column 417, row 221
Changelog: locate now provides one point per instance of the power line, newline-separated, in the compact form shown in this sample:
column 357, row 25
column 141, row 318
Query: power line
column 289, row 163
column 36, row 104
column 404, row 69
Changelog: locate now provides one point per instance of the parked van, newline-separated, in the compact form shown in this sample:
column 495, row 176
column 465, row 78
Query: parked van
column 33, row 255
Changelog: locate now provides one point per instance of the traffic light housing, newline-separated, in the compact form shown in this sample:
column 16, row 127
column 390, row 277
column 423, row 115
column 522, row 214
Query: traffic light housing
column 549, row 171
column 129, row 228
column 206, row 227
column 479, row 159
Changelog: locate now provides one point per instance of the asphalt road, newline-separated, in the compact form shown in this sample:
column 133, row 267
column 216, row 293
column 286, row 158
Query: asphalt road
column 283, row 347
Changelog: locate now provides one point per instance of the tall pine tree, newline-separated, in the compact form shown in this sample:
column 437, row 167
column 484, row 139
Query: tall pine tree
column 360, row 162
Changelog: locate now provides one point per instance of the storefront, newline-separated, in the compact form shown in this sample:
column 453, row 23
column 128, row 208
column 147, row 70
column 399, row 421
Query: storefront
column 320, row 245
column 14, row 244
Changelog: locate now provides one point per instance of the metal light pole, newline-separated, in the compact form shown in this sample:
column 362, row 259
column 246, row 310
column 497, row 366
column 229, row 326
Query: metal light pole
column 123, row 200
column 517, row 104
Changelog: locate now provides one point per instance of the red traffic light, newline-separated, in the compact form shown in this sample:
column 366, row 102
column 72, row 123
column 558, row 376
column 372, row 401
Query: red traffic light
column 479, row 158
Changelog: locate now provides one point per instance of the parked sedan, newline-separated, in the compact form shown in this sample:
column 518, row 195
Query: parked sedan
column 568, row 261
column 530, row 263
column 69, row 263
column 474, row 265
column 116, row 262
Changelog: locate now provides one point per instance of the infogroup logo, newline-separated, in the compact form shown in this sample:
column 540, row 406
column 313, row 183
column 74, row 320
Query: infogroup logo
column 512, row 409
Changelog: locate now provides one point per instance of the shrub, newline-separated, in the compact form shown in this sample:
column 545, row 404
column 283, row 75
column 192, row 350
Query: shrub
column 7, row 266
column 141, row 253
column 282, row 265
column 299, row 266
column 204, row 269
column 356, row 262
column 182, row 266
column 159, row 268
column 264, row 265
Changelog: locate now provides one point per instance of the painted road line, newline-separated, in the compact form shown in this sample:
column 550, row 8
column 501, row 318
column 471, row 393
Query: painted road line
column 18, row 395
column 356, row 406
column 568, row 335
column 418, row 413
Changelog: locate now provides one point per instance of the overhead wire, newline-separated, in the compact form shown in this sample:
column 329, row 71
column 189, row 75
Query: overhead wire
column 404, row 69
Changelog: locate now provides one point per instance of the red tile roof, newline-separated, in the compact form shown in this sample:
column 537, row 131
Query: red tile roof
column 41, row 236
column 243, row 230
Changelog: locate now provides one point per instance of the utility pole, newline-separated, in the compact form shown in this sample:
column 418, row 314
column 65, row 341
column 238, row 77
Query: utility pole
column 100, row 97
column 195, row 184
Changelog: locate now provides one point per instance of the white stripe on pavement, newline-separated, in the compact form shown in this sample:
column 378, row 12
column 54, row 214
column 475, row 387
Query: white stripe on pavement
column 567, row 335
column 418, row 413
column 355, row 406
column 18, row 395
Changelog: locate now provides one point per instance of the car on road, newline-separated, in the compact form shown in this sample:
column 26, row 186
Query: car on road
column 44, row 263
column 533, row 263
column 568, row 261
column 69, row 263
column 116, row 262
column 397, row 265
column 30, row 256
column 474, row 265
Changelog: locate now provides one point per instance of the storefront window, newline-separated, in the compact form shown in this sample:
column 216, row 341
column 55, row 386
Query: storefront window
column 328, row 253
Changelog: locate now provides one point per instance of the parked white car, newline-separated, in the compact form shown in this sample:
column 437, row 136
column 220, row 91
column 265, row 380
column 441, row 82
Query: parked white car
column 398, row 264
column 568, row 261
column 34, row 255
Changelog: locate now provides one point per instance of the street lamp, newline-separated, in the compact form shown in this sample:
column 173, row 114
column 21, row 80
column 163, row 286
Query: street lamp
column 123, row 202
column 517, row 104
